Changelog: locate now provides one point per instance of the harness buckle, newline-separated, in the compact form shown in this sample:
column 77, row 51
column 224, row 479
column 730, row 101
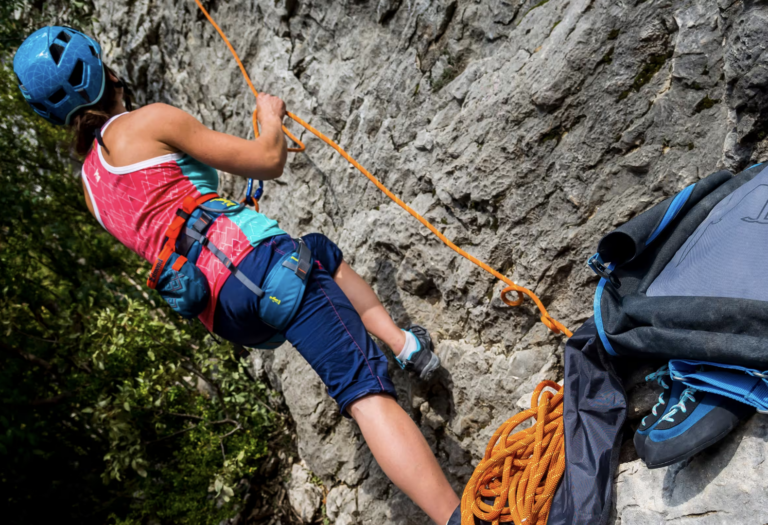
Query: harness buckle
column 305, row 261
column 202, row 222
column 597, row 265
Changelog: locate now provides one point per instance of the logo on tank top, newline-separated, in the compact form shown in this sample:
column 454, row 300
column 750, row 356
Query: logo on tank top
column 226, row 202
column 97, row 175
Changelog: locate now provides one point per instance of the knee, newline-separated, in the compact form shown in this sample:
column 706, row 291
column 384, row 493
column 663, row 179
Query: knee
column 371, row 404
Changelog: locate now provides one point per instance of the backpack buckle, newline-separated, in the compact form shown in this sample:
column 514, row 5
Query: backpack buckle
column 597, row 265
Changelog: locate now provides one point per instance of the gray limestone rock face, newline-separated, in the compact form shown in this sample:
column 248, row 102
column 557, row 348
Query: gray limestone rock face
column 524, row 130
column 723, row 484
column 305, row 497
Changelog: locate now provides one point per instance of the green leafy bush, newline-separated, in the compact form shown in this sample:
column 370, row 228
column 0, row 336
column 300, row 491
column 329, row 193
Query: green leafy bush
column 111, row 408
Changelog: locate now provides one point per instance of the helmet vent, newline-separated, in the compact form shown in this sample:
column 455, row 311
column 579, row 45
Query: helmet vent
column 76, row 78
column 84, row 94
column 58, row 96
column 39, row 107
column 93, row 51
column 56, row 52
column 64, row 37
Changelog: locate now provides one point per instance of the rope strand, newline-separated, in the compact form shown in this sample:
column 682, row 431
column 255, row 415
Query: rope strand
column 554, row 325
column 520, row 471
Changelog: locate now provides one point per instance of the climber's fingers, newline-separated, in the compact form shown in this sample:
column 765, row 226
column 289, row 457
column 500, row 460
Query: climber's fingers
column 270, row 107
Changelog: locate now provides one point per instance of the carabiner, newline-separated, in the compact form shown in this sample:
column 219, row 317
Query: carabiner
column 253, row 200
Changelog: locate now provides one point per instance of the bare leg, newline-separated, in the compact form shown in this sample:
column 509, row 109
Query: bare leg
column 394, row 439
column 404, row 456
column 375, row 318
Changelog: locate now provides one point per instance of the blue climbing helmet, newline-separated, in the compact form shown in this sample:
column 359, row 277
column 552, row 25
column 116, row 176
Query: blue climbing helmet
column 59, row 71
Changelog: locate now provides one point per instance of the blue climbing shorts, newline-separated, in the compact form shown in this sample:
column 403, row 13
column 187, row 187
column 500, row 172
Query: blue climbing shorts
column 327, row 331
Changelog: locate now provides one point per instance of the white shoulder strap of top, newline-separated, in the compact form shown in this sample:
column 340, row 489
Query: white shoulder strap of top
column 106, row 125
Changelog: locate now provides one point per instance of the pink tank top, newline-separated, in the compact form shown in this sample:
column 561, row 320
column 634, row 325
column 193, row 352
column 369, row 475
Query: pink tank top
column 136, row 204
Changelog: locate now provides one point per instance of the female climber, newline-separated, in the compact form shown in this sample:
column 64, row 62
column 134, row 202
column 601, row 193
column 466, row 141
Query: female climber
column 139, row 168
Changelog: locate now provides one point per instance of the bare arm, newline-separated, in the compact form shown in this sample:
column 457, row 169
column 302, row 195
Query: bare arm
column 263, row 158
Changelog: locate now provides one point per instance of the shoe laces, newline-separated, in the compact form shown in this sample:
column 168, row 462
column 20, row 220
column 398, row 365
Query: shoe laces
column 658, row 376
column 687, row 395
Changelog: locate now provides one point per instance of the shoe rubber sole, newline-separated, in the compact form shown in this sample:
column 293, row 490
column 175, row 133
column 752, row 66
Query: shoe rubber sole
column 690, row 453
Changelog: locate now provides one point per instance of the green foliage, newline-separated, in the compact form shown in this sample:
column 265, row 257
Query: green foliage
column 705, row 103
column 646, row 74
column 450, row 72
column 18, row 18
column 112, row 410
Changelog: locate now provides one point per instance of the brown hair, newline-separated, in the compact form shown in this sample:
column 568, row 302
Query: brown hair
column 86, row 122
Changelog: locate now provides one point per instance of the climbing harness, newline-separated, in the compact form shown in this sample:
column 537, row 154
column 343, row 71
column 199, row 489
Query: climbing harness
column 551, row 323
column 185, row 287
column 179, row 281
column 520, row 472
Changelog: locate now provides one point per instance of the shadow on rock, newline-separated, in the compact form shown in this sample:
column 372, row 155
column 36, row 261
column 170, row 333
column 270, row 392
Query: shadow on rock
column 685, row 480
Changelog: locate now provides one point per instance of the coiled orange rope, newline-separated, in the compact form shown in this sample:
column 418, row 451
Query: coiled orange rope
column 520, row 471
column 548, row 321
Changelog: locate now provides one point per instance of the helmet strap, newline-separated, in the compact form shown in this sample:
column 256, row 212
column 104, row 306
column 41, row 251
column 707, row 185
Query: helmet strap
column 126, row 93
column 100, row 139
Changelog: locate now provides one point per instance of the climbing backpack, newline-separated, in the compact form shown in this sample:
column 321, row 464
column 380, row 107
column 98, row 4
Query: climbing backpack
column 686, row 279
column 681, row 281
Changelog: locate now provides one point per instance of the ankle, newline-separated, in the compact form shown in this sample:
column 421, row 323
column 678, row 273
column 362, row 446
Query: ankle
column 410, row 346
column 397, row 343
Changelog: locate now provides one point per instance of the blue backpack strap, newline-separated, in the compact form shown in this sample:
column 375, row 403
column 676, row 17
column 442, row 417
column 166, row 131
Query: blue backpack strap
column 302, row 263
column 742, row 384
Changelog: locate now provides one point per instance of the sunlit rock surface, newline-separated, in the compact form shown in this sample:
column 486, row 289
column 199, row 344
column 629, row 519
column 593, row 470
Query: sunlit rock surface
column 524, row 130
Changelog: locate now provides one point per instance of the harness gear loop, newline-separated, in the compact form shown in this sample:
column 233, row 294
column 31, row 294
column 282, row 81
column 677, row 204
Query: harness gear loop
column 520, row 471
column 548, row 321
column 172, row 234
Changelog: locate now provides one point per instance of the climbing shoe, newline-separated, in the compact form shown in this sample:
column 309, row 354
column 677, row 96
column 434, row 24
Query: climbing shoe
column 698, row 420
column 667, row 399
column 423, row 360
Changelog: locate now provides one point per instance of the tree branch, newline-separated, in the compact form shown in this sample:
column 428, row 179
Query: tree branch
column 169, row 436
column 50, row 400
column 24, row 355
column 202, row 376
column 189, row 416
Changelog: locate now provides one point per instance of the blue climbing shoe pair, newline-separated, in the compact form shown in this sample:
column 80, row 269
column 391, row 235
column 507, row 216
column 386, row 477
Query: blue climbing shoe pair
column 668, row 398
column 684, row 422
column 423, row 360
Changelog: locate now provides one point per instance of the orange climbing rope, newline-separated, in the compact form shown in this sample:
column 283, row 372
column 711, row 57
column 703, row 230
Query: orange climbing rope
column 548, row 321
column 520, row 472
